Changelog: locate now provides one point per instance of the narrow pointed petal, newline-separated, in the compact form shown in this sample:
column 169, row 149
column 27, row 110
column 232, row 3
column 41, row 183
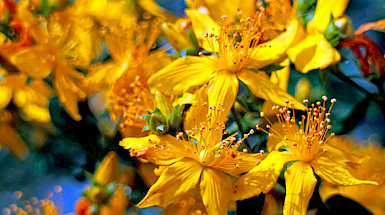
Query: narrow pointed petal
column 281, row 78
column 215, row 188
column 66, row 82
column 262, row 177
column 262, row 87
column 160, row 150
column 175, row 180
column 11, row 140
column 5, row 96
column 332, row 168
column 238, row 164
column 274, row 144
column 323, row 12
column 34, row 61
column 203, row 23
column 300, row 184
column 313, row 52
column 108, row 169
column 223, row 89
column 184, row 74
column 275, row 49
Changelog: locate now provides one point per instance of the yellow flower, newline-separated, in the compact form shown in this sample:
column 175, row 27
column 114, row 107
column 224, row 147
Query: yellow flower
column 32, row 98
column 369, row 166
column 124, row 78
column 106, row 200
column 198, row 162
column 231, row 61
column 313, row 51
column 65, row 41
column 305, row 151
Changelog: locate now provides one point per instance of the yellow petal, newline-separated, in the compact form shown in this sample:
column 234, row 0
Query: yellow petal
column 331, row 167
column 273, row 143
column 263, row 176
column 36, row 113
column 240, row 164
column 108, row 170
column 281, row 78
column 163, row 103
column 152, row 7
column 215, row 188
column 118, row 204
column 223, row 89
column 160, row 150
column 275, row 49
column 197, row 113
column 300, row 184
column 260, row 85
column 11, row 140
column 179, row 40
column 34, row 62
column 5, row 96
column 323, row 13
column 313, row 52
column 70, row 94
column 182, row 75
column 203, row 23
column 339, row 7
column 175, row 180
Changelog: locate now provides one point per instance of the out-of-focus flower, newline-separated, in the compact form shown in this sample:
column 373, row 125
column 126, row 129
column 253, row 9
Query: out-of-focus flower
column 106, row 195
column 124, row 78
column 198, row 162
column 302, row 89
column 64, row 41
column 368, row 164
column 9, row 137
column 35, row 206
column 188, row 203
column 303, row 148
column 231, row 61
column 31, row 96
column 314, row 51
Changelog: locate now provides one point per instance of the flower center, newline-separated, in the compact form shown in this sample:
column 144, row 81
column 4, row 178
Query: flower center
column 234, row 40
column 207, row 138
column 307, row 140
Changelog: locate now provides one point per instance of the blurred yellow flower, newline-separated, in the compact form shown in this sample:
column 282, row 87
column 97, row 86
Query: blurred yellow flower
column 304, row 150
column 367, row 163
column 64, row 41
column 198, row 162
column 106, row 201
column 124, row 78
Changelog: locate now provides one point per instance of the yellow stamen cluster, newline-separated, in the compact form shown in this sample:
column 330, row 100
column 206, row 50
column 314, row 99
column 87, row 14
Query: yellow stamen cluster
column 35, row 206
column 232, row 48
column 207, row 138
column 132, row 102
column 307, row 140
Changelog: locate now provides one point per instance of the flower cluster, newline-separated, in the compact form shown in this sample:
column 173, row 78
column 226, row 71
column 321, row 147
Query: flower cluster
column 201, row 100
